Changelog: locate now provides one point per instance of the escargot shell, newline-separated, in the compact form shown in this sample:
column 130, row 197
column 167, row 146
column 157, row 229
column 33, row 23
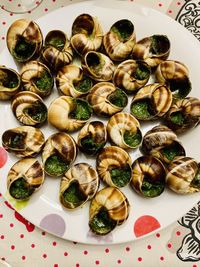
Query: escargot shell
column 24, row 40
column 57, row 51
column 92, row 137
column 37, row 78
column 24, row 178
column 98, row 66
column 79, row 184
column 162, row 142
column 124, row 130
column 148, row 176
column 114, row 166
column 131, row 75
column 153, row 50
column 23, row 141
column 87, row 34
column 109, row 208
column 151, row 101
column 69, row 114
column 10, row 83
column 106, row 99
column 184, row 114
column 176, row 75
column 120, row 40
column 183, row 175
column 29, row 108
column 58, row 154
column 71, row 81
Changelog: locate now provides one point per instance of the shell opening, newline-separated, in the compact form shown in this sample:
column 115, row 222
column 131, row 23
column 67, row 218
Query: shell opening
column 14, row 140
column 118, row 98
column 151, row 189
column 160, row 44
column 55, row 165
column 84, row 85
column 132, row 139
column 20, row 189
column 23, row 49
column 196, row 181
column 83, row 24
column 56, row 39
column 177, row 118
column 74, row 195
column 8, row 79
column 142, row 71
column 95, row 63
column 101, row 223
column 90, row 146
column 44, row 81
column 180, row 87
column 81, row 111
column 142, row 109
column 173, row 150
column 37, row 111
column 124, row 29
column 120, row 176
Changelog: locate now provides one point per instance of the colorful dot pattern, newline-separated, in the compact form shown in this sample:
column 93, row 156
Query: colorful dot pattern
column 24, row 246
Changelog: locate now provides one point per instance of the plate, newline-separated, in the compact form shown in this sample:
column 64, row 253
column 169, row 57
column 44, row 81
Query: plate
column 146, row 215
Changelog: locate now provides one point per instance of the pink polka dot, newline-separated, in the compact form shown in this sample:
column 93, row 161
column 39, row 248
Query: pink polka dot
column 119, row 261
column 1, row 215
column 12, row 247
column 32, row 245
column 169, row 245
column 139, row 259
column 2, row 236
column 23, row 258
column 21, row 236
column 54, row 243
column 127, row 248
column 107, row 250
column 97, row 262
column 85, row 252
column 44, row 256
column 178, row 233
column 65, row 254
column 157, row 235
column 162, row 258
column 11, row 225
column 149, row 246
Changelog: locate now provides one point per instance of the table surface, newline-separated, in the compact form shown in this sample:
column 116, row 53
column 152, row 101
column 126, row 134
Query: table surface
column 23, row 244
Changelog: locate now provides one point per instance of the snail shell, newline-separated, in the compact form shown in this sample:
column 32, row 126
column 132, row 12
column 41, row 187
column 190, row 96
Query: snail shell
column 71, row 81
column 131, row 75
column 24, row 178
column 10, row 83
column 79, row 184
column 58, row 154
column 37, row 78
column 29, row 109
column 87, row 34
column 98, row 66
column 148, row 176
column 153, row 50
column 183, row 175
column 57, row 51
column 114, row 166
column 92, row 137
column 124, row 130
column 109, row 208
column 120, row 40
column 151, row 101
column 69, row 114
column 184, row 114
column 24, row 40
column 176, row 75
column 162, row 142
column 23, row 141
column 106, row 99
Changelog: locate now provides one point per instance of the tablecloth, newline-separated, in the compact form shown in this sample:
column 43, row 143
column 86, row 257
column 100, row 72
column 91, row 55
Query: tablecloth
column 22, row 244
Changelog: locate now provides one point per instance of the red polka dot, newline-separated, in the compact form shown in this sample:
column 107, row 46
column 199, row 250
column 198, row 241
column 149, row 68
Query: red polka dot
column 29, row 11
column 162, row 258
column 170, row 11
column 3, row 259
column 2, row 7
column 77, row 265
column 43, row 233
column 160, row 4
column 46, row 9
column 3, row 153
column 119, row 261
column 2, row 236
column 11, row 225
column 54, row 243
column 145, row 224
column 4, row 23
column 85, row 252
column 19, row 5
column 10, row 0
column 74, row 242
column 55, row 265
column 0, row 195
column 127, row 249
column 53, row 0
column 1, row 215
column 169, row 245
column 21, row 236
column 194, row 265
column 149, row 246
column 11, row 14
column 65, row 254
column 37, row 3
column 12, row 247
column 178, row 3
column 157, row 235
column 3, row 38
column 23, row 258
column 139, row 259
column 97, row 262
column 32, row 245
column 107, row 250
column 44, row 256
column 178, row 233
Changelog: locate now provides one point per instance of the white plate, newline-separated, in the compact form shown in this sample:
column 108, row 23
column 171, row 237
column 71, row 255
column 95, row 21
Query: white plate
column 44, row 209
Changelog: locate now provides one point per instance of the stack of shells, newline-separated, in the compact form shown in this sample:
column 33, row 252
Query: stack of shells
column 113, row 66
